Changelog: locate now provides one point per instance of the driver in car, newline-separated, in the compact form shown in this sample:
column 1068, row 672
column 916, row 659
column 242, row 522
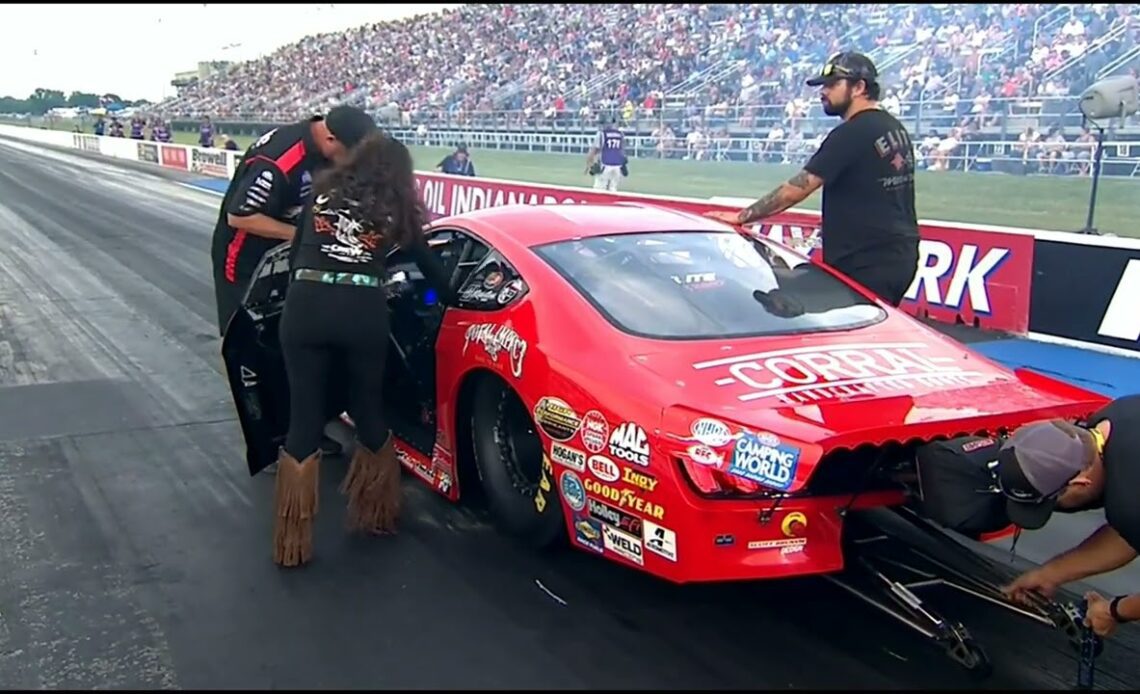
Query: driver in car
column 336, row 310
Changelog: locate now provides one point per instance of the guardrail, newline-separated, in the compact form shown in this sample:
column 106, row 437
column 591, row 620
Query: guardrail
column 996, row 115
column 1047, row 285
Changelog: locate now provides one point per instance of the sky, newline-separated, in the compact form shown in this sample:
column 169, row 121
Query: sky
column 134, row 51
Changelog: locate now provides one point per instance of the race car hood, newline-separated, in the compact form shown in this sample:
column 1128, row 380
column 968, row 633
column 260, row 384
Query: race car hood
column 830, row 391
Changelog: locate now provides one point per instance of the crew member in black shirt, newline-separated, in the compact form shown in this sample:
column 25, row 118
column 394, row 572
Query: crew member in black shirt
column 336, row 313
column 1057, row 466
column 265, row 196
column 869, row 229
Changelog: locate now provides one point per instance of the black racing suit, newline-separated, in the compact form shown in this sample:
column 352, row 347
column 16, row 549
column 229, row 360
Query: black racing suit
column 273, row 178
column 336, row 314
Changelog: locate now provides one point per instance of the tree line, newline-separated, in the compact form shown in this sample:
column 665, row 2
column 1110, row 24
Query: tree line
column 42, row 100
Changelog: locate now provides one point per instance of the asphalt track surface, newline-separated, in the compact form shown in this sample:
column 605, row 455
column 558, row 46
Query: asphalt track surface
column 134, row 546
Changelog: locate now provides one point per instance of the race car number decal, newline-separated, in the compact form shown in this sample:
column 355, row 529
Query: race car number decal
column 765, row 460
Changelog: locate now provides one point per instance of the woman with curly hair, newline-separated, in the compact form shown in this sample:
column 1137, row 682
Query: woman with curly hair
column 336, row 313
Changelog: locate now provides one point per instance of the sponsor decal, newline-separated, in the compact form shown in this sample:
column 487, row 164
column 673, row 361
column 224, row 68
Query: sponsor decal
column 787, row 545
column 568, row 457
column 763, row 459
column 971, row 446
column 603, row 468
column 211, row 162
column 660, row 540
column 623, row 544
column 641, row 480
column 595, row 431
column 625, row 498
column 588, row 533
column 556, row 419
column 443, row 481
column 496, row 340
column 173, row 157
column 572, row 490
column 808, row 375
column 147, row 152
column 703, row 455
column 630, row 443
column 509, row 291
column 544, row 485
column 87, row 143
column 619, row 519
column 1103, row 310
column 724, row 540
column 711, row 432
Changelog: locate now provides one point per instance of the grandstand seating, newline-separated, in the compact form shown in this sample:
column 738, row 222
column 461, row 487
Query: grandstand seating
column 570, row 61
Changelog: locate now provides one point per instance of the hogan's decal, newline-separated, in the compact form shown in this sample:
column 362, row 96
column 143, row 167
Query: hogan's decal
column 557, row 420
column 496, row 339
column 810, row 374
column 568, row 457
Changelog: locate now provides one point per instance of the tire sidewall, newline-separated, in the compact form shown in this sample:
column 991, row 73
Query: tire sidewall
column 539, row 519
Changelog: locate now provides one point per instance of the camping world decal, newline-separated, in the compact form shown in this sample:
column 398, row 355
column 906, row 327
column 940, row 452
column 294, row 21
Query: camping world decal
column 806, row 375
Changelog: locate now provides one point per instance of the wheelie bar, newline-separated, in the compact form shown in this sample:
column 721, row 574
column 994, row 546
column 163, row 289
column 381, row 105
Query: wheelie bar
column 885, row 569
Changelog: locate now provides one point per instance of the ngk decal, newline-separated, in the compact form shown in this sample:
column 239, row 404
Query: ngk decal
column 595, row 431
column 630, row 443
column 811, row 374
column 964, row 276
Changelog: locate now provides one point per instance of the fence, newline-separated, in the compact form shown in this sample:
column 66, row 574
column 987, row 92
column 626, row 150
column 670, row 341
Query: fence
column 992, row 115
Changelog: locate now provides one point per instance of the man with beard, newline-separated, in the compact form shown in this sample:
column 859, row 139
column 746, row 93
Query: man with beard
column 869, row 229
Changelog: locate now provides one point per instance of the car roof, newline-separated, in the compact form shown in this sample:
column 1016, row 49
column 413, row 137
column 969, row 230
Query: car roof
column 535, row 225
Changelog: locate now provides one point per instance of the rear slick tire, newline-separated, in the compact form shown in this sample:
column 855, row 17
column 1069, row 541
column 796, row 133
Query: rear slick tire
column 516, row 474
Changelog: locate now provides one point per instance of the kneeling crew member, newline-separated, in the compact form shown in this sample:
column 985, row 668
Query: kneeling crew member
column 336, row 312
column 265, row 197
column 1054, row 465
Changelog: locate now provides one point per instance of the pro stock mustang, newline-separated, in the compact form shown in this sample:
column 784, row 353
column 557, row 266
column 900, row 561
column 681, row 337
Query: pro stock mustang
column 671, row 395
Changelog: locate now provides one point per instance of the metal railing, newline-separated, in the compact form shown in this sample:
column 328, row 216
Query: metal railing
column 1052, row 18
column 1118, row 29
column 1119, row 63
column 1000, row 116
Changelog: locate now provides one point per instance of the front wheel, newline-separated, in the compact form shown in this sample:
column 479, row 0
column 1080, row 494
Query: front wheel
column 516, row 474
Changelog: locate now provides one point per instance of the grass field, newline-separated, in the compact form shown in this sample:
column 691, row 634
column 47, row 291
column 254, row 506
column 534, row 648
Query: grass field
column 1039, row 202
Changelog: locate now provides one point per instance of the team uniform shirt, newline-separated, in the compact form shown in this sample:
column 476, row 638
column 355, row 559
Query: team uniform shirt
column 1122, row 466
column 339, row 239
column 867, row 166
column 610, row 143
column 274, row 178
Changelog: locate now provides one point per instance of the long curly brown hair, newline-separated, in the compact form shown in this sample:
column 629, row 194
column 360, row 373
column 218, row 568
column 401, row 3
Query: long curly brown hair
column 377, row 178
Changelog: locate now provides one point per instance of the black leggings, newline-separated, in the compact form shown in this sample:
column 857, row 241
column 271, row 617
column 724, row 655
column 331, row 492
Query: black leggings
column 332, row 331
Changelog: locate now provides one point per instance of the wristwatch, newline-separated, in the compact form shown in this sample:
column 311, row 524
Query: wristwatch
column 1114, row 611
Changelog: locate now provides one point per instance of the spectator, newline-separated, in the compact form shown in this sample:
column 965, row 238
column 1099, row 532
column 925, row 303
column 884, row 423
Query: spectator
column 457, row 163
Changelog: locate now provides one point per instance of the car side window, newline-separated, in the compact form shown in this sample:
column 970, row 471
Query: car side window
column 493, row 285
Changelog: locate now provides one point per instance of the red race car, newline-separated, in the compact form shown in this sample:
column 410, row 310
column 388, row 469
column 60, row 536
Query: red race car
column 657, row 387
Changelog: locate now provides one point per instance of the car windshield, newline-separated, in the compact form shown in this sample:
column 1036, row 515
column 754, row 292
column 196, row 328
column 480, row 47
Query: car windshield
column 693, row 285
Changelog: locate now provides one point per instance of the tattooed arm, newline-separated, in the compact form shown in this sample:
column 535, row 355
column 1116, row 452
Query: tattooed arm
column 790, row 192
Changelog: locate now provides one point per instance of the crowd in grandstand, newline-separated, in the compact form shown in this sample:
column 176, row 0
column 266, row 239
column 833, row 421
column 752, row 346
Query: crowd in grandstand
column 694, row 71
column 545, row 60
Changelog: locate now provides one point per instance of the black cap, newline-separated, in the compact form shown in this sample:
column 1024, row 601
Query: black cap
column 1036, row 464
column 349, row 124
column 847, row 65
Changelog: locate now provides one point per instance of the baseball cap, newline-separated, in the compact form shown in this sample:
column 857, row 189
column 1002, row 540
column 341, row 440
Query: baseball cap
column 349, row 124
column 845, row 65
column 1035, row 465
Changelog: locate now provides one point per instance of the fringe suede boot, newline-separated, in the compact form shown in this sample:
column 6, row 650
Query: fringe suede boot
column 372, row 486
column 295, row 508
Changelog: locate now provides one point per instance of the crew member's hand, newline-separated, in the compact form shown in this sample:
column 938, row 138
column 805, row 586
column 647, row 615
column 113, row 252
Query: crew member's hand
column 1037, row 580
column 725, row 216
column 1098, row 616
